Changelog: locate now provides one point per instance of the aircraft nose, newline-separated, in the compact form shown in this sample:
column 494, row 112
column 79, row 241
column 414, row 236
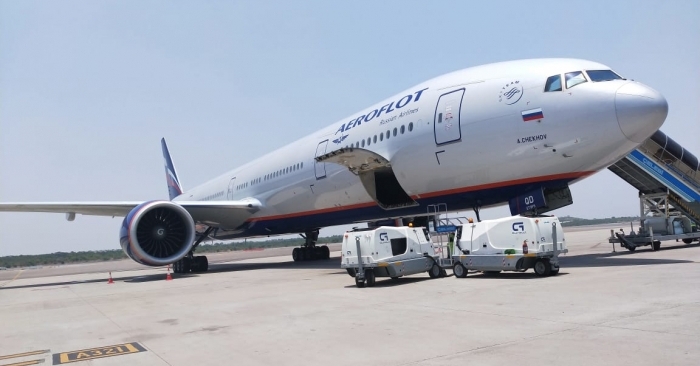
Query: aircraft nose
column 640, row 109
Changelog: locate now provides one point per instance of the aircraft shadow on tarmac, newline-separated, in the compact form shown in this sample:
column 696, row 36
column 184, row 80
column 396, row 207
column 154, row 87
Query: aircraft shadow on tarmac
column 622, row 258
column 616, row 259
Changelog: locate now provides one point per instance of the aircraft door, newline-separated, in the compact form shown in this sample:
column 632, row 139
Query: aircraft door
column 320, row 167
column 447, row 117
column 231, row 188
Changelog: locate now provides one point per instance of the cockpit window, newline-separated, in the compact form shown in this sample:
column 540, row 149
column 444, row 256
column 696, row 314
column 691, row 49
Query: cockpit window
column 553, row 83
column 602, row 75
column 574, row 78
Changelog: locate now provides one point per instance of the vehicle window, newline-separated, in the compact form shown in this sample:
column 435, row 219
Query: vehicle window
column 553, row 83
column 602, row 75
column 574, row 78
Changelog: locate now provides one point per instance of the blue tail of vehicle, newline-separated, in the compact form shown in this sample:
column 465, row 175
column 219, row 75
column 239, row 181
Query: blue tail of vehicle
column 174, row 186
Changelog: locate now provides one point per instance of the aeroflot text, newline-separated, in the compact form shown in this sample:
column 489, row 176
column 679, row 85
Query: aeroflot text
column 388, row 108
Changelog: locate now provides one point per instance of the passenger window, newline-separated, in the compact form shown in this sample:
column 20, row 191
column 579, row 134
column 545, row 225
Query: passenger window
column 395, row 131
column 375, row 139
column 363, row 143
column 403, row 129
column 388, row 134
column 553, row 83
column 574, row 78
column 381, row 136
column 410, row 127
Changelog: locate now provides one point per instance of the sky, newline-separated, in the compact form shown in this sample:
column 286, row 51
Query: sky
column 88, row 88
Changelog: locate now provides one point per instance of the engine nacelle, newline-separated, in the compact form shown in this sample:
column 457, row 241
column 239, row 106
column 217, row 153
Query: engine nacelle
column 157, row 233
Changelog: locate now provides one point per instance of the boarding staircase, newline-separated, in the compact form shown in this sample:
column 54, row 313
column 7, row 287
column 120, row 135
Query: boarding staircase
column 662, row 169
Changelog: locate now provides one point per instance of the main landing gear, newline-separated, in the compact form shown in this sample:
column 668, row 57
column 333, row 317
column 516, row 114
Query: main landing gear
column 192, row 263
column 310, row 251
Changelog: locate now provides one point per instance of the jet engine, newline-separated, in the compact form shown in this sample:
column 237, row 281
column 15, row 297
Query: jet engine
column 157, row 233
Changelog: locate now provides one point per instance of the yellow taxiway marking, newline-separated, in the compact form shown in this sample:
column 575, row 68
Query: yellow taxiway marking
column 98, row 352
column 13, row 278
column 30, row 353
column 25, row 363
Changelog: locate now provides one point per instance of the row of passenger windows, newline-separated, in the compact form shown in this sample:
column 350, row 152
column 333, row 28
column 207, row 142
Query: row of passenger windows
column 571, row 79
column 384, row 135
column 214, row 196
column 266, row 177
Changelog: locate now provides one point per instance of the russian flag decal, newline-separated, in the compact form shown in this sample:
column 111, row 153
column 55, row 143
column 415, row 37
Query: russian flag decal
column 532, row 114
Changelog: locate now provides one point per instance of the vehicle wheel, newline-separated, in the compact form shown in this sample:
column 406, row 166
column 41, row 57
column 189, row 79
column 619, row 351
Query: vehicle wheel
column 351, row 272
column 296, row 255
column 459, row 270
column 434, row 271
column 554, row 272
column 326, row 252
column 656, row 245
column 687, row 241
column 542, row 267
column 369, row 277
column 359, row 283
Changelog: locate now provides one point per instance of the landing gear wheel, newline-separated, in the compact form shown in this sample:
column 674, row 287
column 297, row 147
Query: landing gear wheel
column 202, row 263
column 369, row 277
column 351, row 272
column 434, row 271
column 326, row 252
column 177, row 267
column 656, row 245
column 459, row 270
column 543, row 268
column 306, row 254
column 687, row 241
column 296, row 255
column 359, row 283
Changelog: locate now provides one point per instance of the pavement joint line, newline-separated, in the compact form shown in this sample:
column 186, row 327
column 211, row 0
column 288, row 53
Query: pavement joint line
column 522, row 340
column 13, row 278
column 24, row 354
column 116, row 324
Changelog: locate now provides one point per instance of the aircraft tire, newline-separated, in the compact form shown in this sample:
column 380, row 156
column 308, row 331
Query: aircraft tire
column 326, row 252
column 202, row 263
column 656, row 246
column 296, row 256
column 687, row 241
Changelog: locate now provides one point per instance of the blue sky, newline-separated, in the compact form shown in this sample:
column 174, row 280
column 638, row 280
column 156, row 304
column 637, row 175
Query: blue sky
column 87, row 88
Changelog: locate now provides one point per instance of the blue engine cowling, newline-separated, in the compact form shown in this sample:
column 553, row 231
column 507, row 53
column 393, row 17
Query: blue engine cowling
column 157, row 233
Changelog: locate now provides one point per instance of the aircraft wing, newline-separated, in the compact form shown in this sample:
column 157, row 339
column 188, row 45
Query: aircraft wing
column 215, row 213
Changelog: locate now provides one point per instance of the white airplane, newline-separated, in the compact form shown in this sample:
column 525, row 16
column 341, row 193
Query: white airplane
column 515, row 132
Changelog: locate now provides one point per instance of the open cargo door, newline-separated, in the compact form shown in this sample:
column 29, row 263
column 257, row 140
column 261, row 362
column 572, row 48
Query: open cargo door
column 375, row 173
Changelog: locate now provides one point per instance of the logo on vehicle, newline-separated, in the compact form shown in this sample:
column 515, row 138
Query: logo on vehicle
column 518, row 227
column 511, row 93
column 383, row 237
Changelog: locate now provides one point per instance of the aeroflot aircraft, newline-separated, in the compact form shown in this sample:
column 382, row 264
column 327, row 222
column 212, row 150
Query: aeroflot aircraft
column 515, row 132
